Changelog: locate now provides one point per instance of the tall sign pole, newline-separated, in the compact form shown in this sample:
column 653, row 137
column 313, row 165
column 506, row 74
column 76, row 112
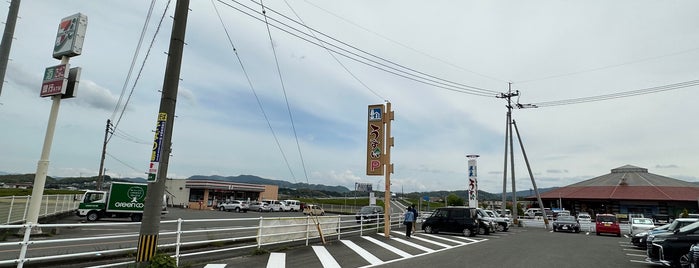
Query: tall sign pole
column 472, row 181
column 379, row 152
column 150, row 227
column 56, row 84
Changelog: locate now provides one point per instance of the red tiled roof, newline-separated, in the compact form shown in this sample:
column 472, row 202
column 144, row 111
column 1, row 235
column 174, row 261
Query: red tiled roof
column 628, row 183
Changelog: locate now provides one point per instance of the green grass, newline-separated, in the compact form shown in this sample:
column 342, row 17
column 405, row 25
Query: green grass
column 25, row 192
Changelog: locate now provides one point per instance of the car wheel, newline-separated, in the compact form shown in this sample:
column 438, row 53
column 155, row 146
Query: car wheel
column 259, row 210
column 221, row 208
column 554, row 229
column 92, row 216
column 136, row 217
column 483, row 231
column 322, row 214
column 429, row 230
column 237, row 210
column 500, row 228
column 683, row 260
column 466, row 232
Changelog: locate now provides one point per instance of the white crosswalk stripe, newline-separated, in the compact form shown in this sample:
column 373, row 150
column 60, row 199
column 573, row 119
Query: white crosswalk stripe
column 420, row 247
column 428, row 241
column 326, row 259
column 373, row 260
column 276, row 260
column 388, row 247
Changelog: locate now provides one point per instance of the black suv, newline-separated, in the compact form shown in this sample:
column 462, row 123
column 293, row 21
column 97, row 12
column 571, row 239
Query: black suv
column 673, row 248
column 452, row 219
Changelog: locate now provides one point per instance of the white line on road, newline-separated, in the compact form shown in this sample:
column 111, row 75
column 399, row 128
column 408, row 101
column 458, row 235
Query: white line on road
column 446, row 239
column 326, row 259
column 427, row 240
column 276, row 260
column 414, row 245
column 362, row 252
column 387, row 246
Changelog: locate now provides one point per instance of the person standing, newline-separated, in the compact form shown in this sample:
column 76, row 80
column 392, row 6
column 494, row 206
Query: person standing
column 409, row 219
column 415, row 215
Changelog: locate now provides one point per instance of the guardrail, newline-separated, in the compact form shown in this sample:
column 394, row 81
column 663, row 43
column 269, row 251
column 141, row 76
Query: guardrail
column 184, row 238
column 13, row 209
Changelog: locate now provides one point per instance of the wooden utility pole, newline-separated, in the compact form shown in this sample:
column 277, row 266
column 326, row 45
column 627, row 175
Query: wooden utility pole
column 150, row 227
column 100, row 177
column 7, row 36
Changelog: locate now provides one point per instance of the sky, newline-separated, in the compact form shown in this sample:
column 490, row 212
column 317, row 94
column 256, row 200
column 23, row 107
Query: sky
column 297, row 111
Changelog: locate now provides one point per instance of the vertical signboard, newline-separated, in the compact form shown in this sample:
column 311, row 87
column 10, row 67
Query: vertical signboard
column 55, row 80
column 70, row 36
column 375, row 140
column 157, row 147
column 472, row 181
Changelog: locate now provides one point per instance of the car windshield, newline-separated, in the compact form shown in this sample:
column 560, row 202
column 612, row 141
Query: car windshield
column 642, row 221
column 689, row 227
column 369, row 210
column 606, row 219
column 566, row 218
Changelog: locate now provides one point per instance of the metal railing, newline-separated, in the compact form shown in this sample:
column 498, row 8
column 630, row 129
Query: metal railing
column 183, row 238
column 13, row 209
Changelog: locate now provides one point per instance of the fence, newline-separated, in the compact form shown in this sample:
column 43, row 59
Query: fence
column 13, row 209
column 183, row 238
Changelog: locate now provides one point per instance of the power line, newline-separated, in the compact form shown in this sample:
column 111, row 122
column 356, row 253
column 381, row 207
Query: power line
column 254, row 92
column 368, row 58
column 618, row 95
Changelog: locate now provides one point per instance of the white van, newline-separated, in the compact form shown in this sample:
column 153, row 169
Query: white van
column 293, row 205
column 275, row 205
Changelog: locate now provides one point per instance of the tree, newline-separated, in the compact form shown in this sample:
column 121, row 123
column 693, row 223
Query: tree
column 454, row 200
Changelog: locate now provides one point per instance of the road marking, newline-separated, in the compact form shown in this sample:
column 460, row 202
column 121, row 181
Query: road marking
column 446, row 239
column 326, row 259
column 469, row 239
column 427, row 240
column 635, row 255
column 642, row 262
column 634, row 249
column 373, row 260
column 414, row 245
column 387, row 246
column 215, row 265
column 276, row 260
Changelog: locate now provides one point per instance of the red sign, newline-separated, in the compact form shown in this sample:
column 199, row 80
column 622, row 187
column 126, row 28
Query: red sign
column 55, row 80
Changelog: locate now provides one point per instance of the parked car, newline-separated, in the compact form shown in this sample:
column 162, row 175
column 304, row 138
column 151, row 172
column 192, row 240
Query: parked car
column 584, row 217
column 536, row 212
column 507, row 214
column 672, row 248
column 661, row 219
column 275, row 205
column 285, row 206
column 313, row 210
column 462, row 220
column 503, row 223
column 640, row 239
column 639, row 225
column 607, row 223
column 566, row 223
column 694, row 256
column 294, row 205
column 234, row 205
column 487, row 223
column 369, row 214
column 259, row 206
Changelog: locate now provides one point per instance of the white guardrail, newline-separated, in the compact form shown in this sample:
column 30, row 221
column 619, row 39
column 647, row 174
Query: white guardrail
column 180, row 237
column 13, row 209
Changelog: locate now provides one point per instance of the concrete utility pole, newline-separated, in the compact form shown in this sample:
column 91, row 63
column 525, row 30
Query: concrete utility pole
column 7, row 36
column 100, row 177
column 150, row 227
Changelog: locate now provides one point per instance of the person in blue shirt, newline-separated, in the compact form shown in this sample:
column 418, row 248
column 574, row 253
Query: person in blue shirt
column 409, row 220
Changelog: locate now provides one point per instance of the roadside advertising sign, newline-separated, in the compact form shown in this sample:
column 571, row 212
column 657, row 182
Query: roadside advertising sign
column 375, row 140
column 127, row 197
column 55, row 80
column 70, row 36
column 157, row 147
column 363, row 187
column 472, row 183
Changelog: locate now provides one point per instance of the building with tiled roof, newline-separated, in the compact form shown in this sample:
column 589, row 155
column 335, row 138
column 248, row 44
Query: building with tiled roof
column 626, row 190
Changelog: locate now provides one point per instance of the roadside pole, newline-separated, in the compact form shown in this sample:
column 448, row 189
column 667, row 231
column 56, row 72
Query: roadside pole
column 150, row 227
column 56, row 84
column 7, row 36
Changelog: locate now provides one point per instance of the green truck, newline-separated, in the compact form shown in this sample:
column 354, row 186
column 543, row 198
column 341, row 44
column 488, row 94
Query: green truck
column 123, row 200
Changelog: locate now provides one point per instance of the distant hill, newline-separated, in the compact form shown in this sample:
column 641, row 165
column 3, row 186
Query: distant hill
column 282, row 184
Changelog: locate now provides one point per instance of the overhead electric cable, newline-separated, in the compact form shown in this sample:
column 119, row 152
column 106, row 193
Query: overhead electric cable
column 334, row 57
column 403, row 45
column 286, row 99
column 617, row 95
column 254, row 92
column 124, row 163
column 371, row 62
column 143, row 63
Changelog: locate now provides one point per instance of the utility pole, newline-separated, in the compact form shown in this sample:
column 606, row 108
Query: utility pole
column 508, row 138
column 150, row 227
column 389, row 169
column 100, row 177
column 7, row 36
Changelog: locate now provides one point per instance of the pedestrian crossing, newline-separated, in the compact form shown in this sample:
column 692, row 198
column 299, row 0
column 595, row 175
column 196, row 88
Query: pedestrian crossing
column 368, row 250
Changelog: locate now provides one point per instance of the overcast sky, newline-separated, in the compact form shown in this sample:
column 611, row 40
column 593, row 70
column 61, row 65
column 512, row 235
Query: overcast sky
column 548, row 50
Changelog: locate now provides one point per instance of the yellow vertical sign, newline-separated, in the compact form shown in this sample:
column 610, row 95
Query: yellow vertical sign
column 375, row 140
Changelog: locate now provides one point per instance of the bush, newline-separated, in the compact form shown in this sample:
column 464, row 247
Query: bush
column 162, row 260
